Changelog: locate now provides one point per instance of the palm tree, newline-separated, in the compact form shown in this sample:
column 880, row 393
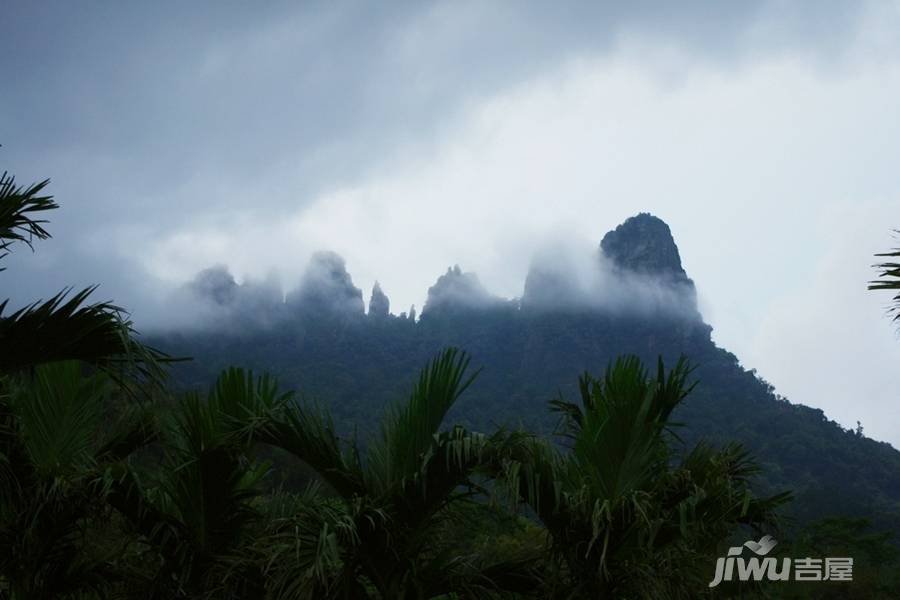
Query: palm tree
column 625, row 518
column 889, row 279
column 199, row 502
column 191, row 519
column 57, row 444
column 368, row 529
column 181, row 490
column 375, row 534
column 61, row 328
column 58, row 437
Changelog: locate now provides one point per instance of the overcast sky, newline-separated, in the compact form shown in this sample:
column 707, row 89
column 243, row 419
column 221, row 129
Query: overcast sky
column 414, row 136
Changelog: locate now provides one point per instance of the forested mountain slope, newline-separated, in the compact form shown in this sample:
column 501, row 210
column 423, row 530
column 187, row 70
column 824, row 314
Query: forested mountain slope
column 638, row 300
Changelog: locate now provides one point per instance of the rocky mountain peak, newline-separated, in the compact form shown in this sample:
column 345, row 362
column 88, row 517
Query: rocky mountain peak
column 456, row 289
column 379, row 304
column 644, row 244
column 327, row 287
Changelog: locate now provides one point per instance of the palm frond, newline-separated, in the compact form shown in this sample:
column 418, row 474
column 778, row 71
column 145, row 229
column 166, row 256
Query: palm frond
column 889, row 279
column 408, row 430
column 60, row 413
column 66, row 329
column 620, row 446
column 17, row 205
column 54, row 475
column 134, row 428
column 308, row 433
column 571, row 415
column 446, row 466
column 245, row 403
column 305, row 550
column 612, row 504
column 202, row 503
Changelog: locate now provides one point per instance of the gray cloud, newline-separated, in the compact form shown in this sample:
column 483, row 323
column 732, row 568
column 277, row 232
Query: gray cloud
column 154, row 117
column 215, row 299
column 568, row 277
column 456, row 290
column 412, row 136
column 326, row 287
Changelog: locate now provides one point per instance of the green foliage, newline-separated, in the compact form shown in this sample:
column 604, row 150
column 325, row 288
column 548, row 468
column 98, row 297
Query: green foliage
column 101, row 497
column 171, row 502
column 358, row 367
column 889, row 279
column 876, row 560
column 624, row 520
column 407, row 432
column 388, row 505
column 198, row 503
column 60, row 329
column 17, row 205
column 59, row 442
column 57, row 445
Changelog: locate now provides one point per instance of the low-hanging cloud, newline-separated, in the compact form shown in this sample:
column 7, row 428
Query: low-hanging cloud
column 567, row 276
column 564, row 277
column 412, row 137
column 214, row 299
column 167, row 129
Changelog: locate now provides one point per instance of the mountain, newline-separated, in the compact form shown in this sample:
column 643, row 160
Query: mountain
column 634, row 298
column 456, row 291
column 644, row 244
column 326, row 289
column 379, row 303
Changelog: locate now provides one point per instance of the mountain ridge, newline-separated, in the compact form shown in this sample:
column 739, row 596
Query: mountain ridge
column 359, row 363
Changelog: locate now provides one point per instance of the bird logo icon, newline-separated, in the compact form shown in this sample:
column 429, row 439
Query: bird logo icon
column 763, row 546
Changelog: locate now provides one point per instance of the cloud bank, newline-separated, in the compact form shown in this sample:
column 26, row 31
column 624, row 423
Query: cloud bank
column 425, row 135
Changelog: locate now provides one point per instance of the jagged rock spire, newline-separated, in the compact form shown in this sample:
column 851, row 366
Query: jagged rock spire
column 379, row 304
column 326, row 287
column 455, row 289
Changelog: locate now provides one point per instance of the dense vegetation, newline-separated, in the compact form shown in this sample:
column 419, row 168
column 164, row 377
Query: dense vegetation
column 114, row 486
column 356, row 365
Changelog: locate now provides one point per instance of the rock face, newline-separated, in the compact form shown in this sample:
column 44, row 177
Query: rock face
column 215, row 284
column 643, row 244
column 455, row 290
column 638, row 270
column 326, row 288
column 379, row 304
